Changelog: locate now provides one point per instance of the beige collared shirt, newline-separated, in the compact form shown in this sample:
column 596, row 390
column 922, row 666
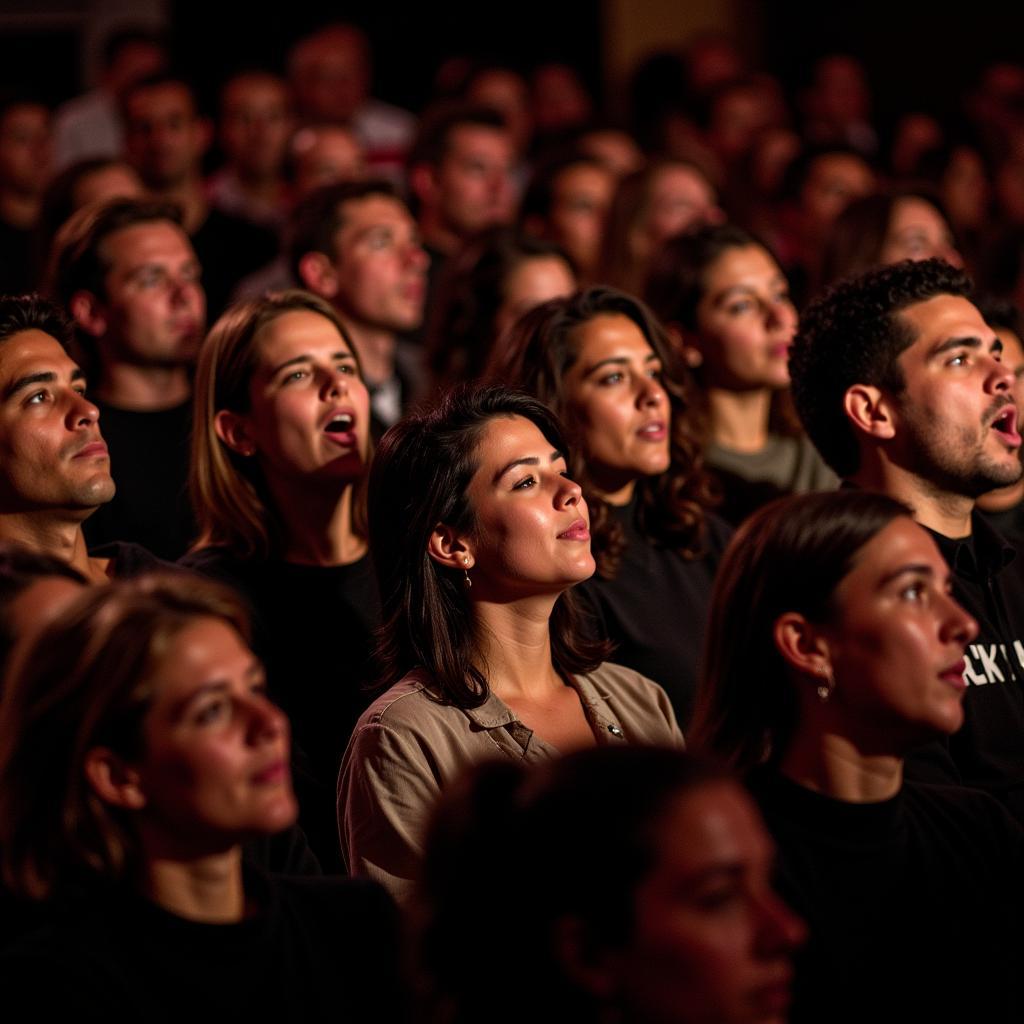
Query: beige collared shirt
column 407, row 747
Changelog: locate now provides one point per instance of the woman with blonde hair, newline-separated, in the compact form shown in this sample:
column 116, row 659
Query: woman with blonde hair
column 280, row 450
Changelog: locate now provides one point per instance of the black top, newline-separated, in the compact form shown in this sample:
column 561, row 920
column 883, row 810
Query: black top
column 988, row 752
column 655, row 609
column 311, row 950
column 313, row 629
column 149, row 454
column 914, row 904
column 16, row 271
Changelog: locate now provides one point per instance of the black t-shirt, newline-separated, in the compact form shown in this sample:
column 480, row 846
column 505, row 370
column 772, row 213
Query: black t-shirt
column 313, row 629
column 149, row 455
column 311, row 950
column 915, row 905
column 655, row 609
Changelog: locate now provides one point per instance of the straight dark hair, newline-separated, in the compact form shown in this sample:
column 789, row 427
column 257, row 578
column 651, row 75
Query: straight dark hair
column 421, row 471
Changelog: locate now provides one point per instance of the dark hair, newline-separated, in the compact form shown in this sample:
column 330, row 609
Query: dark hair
column 470, row 293
column 315, row 221
column 160, row 80
column 603, row 811
column 789, row 556
column 853, row 335
column 539, row 351
column 540, row 193
column 33, row 313
column 857, row 237
column 419, row 478
column 78, row 262
column 87, row 682
column 441, row 122
column 131, row 35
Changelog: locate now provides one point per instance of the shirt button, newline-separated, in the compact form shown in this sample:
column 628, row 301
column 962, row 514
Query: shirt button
column 615, row 730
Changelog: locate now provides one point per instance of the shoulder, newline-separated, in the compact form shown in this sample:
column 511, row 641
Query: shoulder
column 641, row 705
column 960, row 807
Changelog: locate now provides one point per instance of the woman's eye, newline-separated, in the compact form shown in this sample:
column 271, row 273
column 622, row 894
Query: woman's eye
column 294, row 376
column 611, row 378
column 346, row 368
column 524, row 484
column 742, row 306
column 211, row 712
column 915, row 592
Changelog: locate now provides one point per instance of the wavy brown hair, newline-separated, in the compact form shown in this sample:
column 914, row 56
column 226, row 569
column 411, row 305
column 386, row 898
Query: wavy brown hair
column 232, row 504
column 671, row 506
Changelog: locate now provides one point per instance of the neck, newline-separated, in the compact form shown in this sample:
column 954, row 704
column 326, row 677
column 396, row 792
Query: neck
column 437, row 234
column 317, row 524
column 208, row 889
column 58, row 534
column 144, row 388
column 946, row 513
column 739, row 419
column 831, row 764
column 18, row 209
column 515, row 646
column 266, row 186
column 191, row 197
column 1003, row 499
column 375, row 347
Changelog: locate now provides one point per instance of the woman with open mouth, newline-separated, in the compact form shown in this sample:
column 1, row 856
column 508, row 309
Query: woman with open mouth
column 280, row 451
column 835, row 649
column 478, row 534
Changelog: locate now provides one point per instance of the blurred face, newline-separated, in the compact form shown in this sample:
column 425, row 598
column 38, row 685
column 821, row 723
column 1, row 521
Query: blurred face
column 154, row 310
column 834, row 181
column 917, row 231
column 164, row 138
column 215, row 769
column 324, row 155
column 39, row 604
column 474, row 183
column 711, row 942
column 25, row 149
column 898, row 640
column 581, row 197
column 531, row 534
column 331, row 76
column 1013, row 358
column 745, row 322
column 115, row 181
column 680, row 198
column 956, row 420
column 506, row 92
column 614, row 392
column 615, row 149
column 380, row 266
column 965, row 189
column 255, row 125
column 531, row 282
column 51, row 452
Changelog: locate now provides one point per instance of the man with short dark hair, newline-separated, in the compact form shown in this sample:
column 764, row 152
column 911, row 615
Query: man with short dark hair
column 901, row 386
column 54, row 466
column 129, row 276
column 356, row 245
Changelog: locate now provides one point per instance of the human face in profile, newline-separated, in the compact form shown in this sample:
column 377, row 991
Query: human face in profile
column 215, row 764
column 531, row 526
column 711, row 940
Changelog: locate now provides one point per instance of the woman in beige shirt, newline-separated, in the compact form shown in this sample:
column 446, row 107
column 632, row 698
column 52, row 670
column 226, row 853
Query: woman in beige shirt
column 477, row 535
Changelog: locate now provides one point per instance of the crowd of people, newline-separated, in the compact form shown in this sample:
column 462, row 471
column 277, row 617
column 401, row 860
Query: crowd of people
column 505, row 541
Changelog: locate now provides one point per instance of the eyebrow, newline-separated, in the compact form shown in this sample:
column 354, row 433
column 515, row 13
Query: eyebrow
column 914, row 569
column 970, row 341
column 748, row 289
column 43, row 377
column 530, row 460
column 306, row 358
column 653, row 357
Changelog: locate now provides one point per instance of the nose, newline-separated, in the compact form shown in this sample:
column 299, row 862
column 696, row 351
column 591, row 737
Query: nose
column 958, row 625
column 82, row 412
column 650, row 392
column 416, row 256
column 1001, row 377
column 780, row 314
column 335, row 383
column 569, row 494
column 780, row 929
column 266, row 721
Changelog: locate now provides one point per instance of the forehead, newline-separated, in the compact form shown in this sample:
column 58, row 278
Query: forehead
column 253, row 89
column 24, row 115
column 937, row 319
column 299, row 331
column 900, row 543
column 505, row 438
column 737, row 265
column 609, row 333
column 466, row 140
column 169, row 100
column 206, row 650
column 359, row 215
column 584, row 178
column 143, row 243
column 676, row 179
column 32, row 352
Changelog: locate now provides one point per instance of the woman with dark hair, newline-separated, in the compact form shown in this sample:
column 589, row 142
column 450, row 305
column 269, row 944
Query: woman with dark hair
column 882, row 229
column 280, row 449
column 478, row 535
column 834, row 650
column 664, row 914
column 726, row 300
column 602, row 363
column 138, row 751
column 483, row 291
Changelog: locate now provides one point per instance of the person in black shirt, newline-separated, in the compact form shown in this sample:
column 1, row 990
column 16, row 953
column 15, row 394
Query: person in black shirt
column 600, row 360
column 136, row 790
column 280, row 448
column 834, row 649
column 902, row 388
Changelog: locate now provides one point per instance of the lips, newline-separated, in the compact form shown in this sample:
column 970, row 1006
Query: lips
column 273, row 774
column 954, row 675
column 340, row 426
column 1005, row 424
column 92, row 450
column 578, row 531
column 655, row 430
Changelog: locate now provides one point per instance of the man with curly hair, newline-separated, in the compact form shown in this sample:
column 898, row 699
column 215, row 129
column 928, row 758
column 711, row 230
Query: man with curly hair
column 901, row 386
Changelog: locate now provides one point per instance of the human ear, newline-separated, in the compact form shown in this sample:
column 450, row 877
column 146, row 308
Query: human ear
column 802, row 644
column 233, row 429
column 113, row 780
column 88, row 313
column 590, row 968
column 448, row 548
column 870, row 410
column 317, row 273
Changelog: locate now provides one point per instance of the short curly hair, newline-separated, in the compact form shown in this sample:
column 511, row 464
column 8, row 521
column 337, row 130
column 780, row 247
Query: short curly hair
column 853, row 335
